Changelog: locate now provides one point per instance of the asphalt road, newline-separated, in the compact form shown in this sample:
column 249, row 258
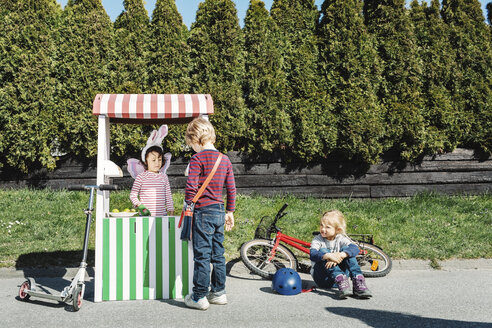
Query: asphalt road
column 410, row 296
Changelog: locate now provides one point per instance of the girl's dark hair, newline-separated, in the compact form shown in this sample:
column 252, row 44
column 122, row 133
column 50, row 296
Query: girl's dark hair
column 158, row 150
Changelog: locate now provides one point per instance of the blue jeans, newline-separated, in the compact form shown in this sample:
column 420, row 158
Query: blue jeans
column 325, row 278
column 208, row 236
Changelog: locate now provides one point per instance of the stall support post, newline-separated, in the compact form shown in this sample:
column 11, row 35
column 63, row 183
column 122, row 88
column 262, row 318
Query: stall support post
column 102, row 201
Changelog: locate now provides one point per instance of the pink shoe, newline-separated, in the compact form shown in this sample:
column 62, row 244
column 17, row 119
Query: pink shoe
column 360, row 288
column 343, row 286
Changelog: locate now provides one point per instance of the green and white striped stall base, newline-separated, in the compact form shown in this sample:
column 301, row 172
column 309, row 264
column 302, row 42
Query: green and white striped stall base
column 144, row 258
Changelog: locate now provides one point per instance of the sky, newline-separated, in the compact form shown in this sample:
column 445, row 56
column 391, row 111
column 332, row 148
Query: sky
column 188, row 8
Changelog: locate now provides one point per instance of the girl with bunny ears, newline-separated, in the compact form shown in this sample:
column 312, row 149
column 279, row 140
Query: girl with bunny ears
column 151, row 192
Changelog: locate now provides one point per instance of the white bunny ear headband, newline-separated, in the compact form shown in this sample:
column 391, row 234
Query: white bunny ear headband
column 155, row 139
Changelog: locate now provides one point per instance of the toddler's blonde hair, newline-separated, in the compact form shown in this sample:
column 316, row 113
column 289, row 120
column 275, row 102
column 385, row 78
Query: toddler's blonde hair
column 336, row 219
column 200, row 131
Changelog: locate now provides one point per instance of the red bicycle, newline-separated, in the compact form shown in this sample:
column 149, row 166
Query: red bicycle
column 264, row 255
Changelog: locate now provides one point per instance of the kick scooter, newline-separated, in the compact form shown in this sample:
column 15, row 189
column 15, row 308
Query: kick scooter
column 74, row 293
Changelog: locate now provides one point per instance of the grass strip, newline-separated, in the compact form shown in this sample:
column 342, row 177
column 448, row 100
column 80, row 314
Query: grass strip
column 46, row 227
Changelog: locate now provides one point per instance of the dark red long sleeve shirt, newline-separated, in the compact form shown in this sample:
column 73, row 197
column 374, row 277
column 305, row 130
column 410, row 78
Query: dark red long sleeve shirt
column 201, row 165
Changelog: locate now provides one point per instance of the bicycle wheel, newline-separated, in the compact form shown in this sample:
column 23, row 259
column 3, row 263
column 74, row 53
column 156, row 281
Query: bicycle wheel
column 373, row 261
column 255, row 254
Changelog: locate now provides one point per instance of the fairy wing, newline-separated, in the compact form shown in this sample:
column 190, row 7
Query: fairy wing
column 167, row 162
column 135, row 167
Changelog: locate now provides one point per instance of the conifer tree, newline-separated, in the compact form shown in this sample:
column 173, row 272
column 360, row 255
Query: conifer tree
column 85, row 54
column 27, row 34
column 438, row 61
column 168, row 55
column 217, row 67
column 308, row 105
column 169, row 62
column 470, row 37
column 131, row 32
column 400, row 92
column 269, row 125
column 129, row 71
column 352, row 72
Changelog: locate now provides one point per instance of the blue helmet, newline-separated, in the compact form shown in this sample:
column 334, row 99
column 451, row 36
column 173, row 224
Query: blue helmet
column 287, row 282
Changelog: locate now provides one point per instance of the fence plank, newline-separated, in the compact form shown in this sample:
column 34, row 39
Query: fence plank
column 458, row 172
column 457, row 154
column 356, row 191
column 406, row 178
column 449, row 189
column 332, row 169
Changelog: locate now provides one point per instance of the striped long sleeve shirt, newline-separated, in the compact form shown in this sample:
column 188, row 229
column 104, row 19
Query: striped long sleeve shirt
column 201, row 165
column 154, row 192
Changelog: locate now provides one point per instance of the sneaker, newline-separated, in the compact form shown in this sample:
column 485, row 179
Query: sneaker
column 217, row 299
column 343, row 285
column 360, row 288
column 201, row 304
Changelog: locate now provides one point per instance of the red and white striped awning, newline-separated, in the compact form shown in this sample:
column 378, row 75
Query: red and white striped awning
column 169, row 108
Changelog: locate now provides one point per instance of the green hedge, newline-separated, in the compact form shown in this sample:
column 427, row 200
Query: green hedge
column 354, row 79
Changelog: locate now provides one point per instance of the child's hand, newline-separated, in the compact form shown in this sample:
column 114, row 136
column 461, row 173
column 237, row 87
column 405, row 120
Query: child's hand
column 337, row 258
column 229, row 221
column 330, row 264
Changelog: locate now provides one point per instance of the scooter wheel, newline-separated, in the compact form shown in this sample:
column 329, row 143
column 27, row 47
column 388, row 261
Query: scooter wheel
column 77, row 298
column 23, row 294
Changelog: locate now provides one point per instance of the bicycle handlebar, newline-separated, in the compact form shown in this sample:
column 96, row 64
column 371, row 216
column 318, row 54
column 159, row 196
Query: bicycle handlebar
column 88, row 187
column 282, row 209
column 278, row 216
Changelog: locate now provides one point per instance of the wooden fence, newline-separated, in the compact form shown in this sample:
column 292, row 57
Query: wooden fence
column 458, row 172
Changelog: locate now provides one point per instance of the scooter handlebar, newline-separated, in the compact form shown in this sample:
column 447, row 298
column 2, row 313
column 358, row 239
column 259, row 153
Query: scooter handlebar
column 108, row 187
column 88, row 187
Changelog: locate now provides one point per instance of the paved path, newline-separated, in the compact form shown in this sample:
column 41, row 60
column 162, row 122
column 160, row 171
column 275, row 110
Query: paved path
column 412, row 295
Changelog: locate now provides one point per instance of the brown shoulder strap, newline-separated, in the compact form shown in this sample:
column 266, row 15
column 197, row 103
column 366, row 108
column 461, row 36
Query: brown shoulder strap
column 206, row 182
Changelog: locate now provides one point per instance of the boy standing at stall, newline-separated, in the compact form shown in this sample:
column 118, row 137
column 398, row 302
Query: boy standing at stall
column 208, row 217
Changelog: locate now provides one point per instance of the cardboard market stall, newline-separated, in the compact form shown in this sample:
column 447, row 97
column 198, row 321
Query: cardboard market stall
column 140, row 257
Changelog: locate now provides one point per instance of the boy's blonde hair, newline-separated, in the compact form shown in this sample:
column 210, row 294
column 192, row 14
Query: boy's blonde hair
column 200, row 131
column 336, row 219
